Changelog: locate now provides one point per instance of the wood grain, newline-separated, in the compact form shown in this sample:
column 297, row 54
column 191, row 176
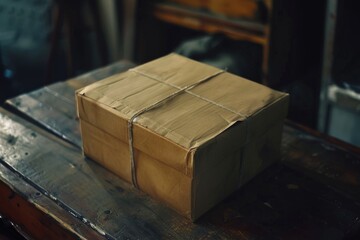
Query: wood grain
column 86, row 190
column 323, row 158
column 25, row 203
column 28, row 208
column 282, row 202
column 53, row 106
column 312, row 194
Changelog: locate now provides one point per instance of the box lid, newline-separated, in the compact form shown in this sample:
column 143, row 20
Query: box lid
column 182, row 101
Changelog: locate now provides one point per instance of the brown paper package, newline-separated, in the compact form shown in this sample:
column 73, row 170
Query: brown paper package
column 199, row 133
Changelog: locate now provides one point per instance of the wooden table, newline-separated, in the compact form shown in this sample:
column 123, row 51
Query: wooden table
column 51, row 191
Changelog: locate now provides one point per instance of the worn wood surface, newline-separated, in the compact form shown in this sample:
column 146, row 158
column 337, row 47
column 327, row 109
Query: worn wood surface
column 323, row 158
column 29, row 209
column 313, row 193
column 53, row 106
column 281, row 203
column 25, row 203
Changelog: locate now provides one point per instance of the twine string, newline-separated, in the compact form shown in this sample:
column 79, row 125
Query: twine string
column 157, row 104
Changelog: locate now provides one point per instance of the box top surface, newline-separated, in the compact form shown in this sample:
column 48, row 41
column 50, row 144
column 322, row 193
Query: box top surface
column 180, row 99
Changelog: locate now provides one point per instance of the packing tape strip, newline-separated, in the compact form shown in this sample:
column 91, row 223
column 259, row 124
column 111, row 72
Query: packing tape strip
column 158, row 104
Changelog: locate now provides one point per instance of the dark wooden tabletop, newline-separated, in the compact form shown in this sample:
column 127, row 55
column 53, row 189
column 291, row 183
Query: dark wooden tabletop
column 50, row 190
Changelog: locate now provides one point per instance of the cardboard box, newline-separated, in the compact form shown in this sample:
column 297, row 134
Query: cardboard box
column 184, row 132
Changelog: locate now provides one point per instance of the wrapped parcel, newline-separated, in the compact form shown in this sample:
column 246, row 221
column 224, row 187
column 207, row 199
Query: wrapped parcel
column 186, row 133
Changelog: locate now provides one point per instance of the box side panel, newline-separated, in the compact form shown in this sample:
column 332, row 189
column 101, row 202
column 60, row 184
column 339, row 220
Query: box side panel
column 164, row 183
column 102, row 116
column 218, row 173
column 155, row 178
column 111, row 122
column 235, row 169
column 216, row 183
column 108, row 151
column 261, row 152
column 263, row 146
column 217, row 166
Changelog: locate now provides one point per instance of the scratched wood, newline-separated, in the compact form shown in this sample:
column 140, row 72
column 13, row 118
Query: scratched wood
column 323, row 158
column 86, row 190
column 28, row 208
column 281, row 203
column 53, row 106
column 313, row 171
